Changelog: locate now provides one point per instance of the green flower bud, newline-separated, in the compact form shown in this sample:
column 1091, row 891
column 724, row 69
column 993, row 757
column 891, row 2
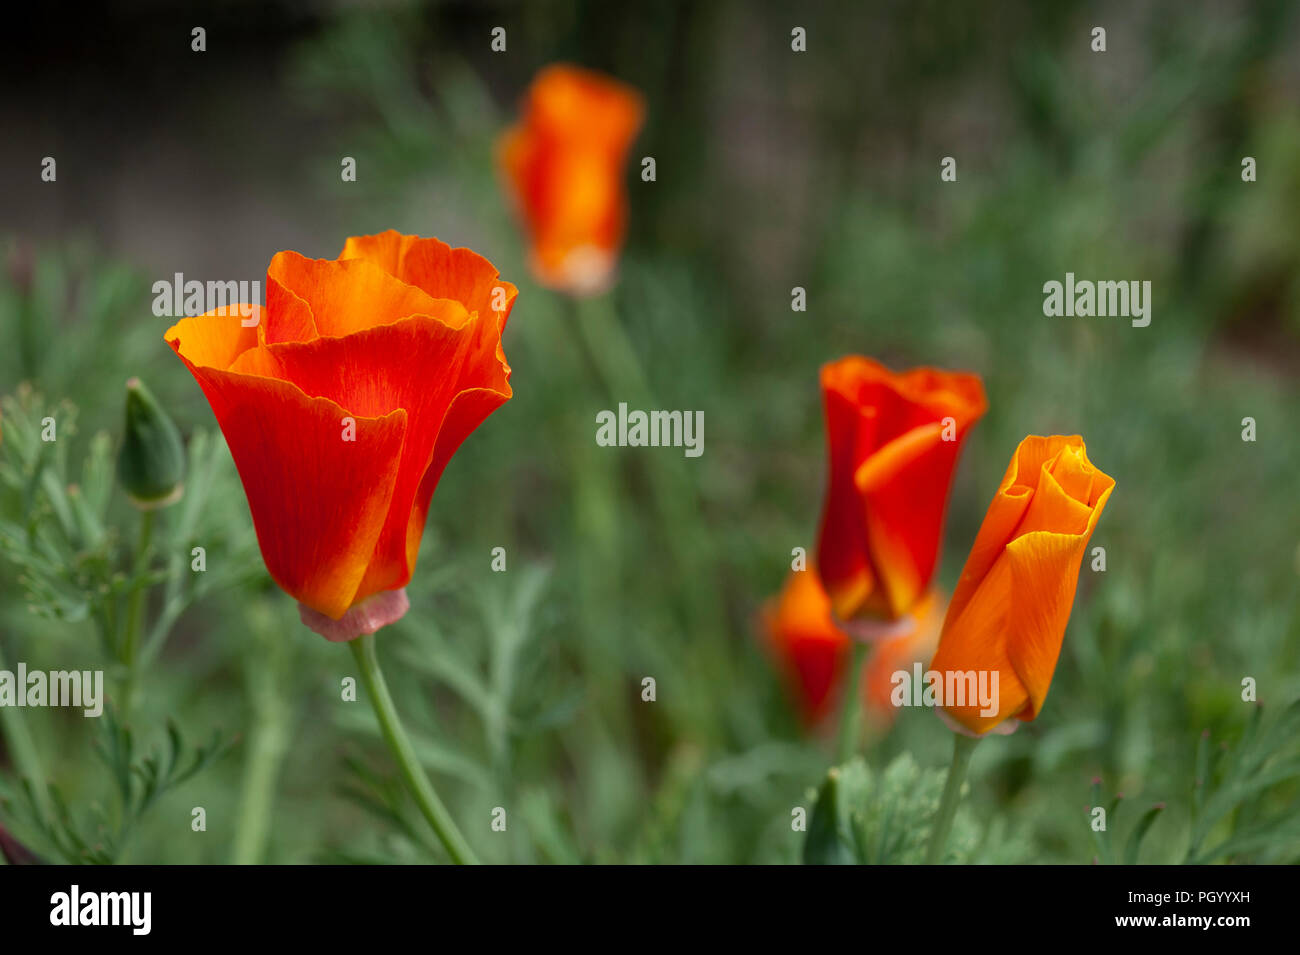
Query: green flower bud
column 151, row 464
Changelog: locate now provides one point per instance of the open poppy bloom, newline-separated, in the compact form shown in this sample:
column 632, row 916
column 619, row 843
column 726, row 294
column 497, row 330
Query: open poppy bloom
column 893, row 439
column 564, row 164
column 815, row 654
column 1009, row 610
column 342, row 402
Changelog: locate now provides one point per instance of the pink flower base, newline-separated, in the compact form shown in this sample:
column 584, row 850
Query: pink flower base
column 869, row 630
column 373, row 613
column 1005, row 728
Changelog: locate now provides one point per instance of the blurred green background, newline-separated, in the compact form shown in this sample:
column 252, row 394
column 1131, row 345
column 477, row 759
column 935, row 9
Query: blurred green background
column 775, row 169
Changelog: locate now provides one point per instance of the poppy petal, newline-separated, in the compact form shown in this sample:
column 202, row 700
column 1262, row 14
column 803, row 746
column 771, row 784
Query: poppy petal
column 381, row 369
column 438, row 269
column 354, row 294
column 288, row 317
column 843, row 555
column 1006, row 511
column 215, row 339
column 983, row 648
column 320, row 500
column 904, row 489
column 1044, row 576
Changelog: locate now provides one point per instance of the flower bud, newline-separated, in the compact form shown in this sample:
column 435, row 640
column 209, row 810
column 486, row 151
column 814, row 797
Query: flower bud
column 893, row 440
column 151, row 463
column 1008, row 613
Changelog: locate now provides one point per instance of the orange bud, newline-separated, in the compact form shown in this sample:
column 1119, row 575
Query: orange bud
column 812, row 651
column 564, row 164
column 1009, row 610
column 893, row 441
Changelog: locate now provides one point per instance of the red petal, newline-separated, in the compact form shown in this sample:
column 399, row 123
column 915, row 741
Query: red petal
column 447, row 379
column 318, row 502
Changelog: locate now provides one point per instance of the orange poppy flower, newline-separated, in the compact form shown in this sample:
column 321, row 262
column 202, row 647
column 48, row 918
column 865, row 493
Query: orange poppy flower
column 564, row 163
column 1011, row 605
column 814, row 652
column 894, row 439
column 343, row 404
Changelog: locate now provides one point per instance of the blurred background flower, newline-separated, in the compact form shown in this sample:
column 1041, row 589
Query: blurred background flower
column 564, row 162
column 808, row 644
column 814, row 652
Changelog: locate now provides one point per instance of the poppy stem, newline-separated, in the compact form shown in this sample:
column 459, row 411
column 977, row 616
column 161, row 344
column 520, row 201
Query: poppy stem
column 962, row 748
column 363, row 649
column 268, row 743
column 851, row 710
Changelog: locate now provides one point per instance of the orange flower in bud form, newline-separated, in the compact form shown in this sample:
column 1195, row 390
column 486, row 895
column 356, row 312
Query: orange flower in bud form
column 342, row 400
column 894, row 439
column 1011, row 605
column 564, row 162
column 812, row 651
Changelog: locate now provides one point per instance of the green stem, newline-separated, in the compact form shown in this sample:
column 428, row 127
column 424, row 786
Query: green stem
column 851, row 708
column 363, row 650
column 23, row 751
column 135, row 613
column 267, row 745
column 676, row 496
column 609, row 349
column 962, row 748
